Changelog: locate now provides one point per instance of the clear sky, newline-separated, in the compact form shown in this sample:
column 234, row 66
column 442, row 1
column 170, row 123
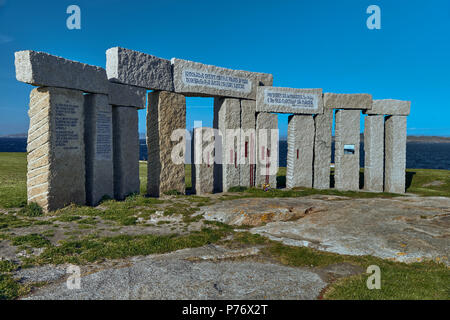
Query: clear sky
column 304, row 44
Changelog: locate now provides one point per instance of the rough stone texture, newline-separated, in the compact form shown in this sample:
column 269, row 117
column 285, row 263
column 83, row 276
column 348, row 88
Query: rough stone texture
column 126, row 96
column 288, row 100
column 42, row 69
column 267, row 149
column 126, row 151
column 194, row 273
column 98, row 139
column 347, row 101
column 407, row 229
column 202, row 168
column 346, row 174
column 227, row 118
column 390, row 107
column 322, row 149
column 138, row 69
column 247, row 164
column 299, row 172
column 196, row 79
column 373, row 153
column 395, row 154
column 56, row 154
column 166, row 112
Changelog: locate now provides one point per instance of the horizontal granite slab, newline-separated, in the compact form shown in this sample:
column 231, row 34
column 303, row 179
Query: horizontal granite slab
column 198, row 79
column 289, row 100
column 43, row 69
column 138, row 69
column 390, row 107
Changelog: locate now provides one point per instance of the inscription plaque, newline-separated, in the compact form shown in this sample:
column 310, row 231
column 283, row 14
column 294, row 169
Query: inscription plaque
column 217, row 81
column 67, row 124
column 103, row 147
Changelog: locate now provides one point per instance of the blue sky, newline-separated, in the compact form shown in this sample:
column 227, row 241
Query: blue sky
column 304, row 44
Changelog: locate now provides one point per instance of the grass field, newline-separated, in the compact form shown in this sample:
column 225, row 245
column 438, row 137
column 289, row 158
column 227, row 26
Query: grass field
column 84, row 241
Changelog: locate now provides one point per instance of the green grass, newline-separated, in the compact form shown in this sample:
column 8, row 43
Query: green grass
column 425, row 280
column 13, row 186
column 93, row 249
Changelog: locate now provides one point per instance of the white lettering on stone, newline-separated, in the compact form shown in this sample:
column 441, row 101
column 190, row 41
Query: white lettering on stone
column 217, row 81
column 294, row 100
column 67, row 127
column 103, row 147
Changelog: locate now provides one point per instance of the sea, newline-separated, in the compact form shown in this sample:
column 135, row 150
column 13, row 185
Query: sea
column 418, row 155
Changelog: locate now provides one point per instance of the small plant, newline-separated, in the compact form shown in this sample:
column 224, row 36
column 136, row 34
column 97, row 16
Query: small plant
column 173, row 193
column 237, row 189
column 31, row 210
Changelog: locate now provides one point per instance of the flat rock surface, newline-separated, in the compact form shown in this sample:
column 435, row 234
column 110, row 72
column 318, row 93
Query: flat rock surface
column 405, row 229
column 190, row 274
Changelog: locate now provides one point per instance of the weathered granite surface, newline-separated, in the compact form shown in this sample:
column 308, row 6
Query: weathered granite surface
column 202, row 159
column 126, row 96
column 347, row 101
column 395, row 154
column 126, row 151
column 267, row 149
column 390, row 107
column 198, row 79
column 138, row 69
column 247, row 153
column 227, row 118
column 346, row 174
column 166, row 113
column 56, row 152
column 322, row 149
column 407, row 229
column 43, row 69
column 289, row 100
column 98, row 139
column 203, row 273
column 300, row 154
column 373, row 153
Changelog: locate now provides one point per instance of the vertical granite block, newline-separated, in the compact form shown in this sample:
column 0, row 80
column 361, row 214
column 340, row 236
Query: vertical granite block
column 126, row 151
column 299, row 171
column 267, row 149
column 98, row 139
column 202, row 164
column 227, row 119
column 395, row 154
column 247, row 164
column 166, row 115
column 56, row 153
column 322, row 149
column 346, row 154
column 373, row 153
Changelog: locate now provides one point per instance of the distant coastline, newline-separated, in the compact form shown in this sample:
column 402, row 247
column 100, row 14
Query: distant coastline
column 411, row 139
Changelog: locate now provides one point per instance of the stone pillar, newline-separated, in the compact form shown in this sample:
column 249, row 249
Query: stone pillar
column 202, row 155
column 98, row 139
column 166, row 113
column 299, row 171
column 126, row 151
column 56, row 154
column 373, row 153
column 266, row 149
column 322, row 149
column 346, row 152
column 227, row 119
column 248, row 144
column 395, row 154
